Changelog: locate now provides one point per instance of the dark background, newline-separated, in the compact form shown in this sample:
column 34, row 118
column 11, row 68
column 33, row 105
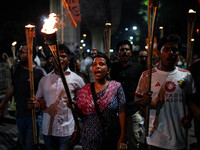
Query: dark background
column 14, row 15
column 172, row 14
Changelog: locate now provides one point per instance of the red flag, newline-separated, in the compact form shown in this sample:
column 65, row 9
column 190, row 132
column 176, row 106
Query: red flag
column 199, row 2
column 73, row 11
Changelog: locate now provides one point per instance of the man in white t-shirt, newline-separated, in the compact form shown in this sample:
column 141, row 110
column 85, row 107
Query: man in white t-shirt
column 58, row 126
column 168, row 120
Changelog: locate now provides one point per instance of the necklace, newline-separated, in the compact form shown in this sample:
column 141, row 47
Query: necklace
column 99, row 86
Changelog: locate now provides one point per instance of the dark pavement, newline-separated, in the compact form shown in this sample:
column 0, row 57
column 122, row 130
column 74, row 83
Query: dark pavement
column 8, row 135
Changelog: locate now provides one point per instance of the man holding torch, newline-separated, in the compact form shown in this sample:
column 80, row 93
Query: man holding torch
column 59, row 131
column 20, row 89
column 171, row 87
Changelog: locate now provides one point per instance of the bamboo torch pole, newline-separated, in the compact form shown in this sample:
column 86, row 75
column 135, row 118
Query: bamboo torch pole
column 13, row 50
column 190, row 26
column 51, row 41
column 49, row 29
column 107, row 38
column 29, row 29
column 151, row 27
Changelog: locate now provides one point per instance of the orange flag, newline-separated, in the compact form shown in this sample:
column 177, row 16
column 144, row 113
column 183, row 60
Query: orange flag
column 73, row 11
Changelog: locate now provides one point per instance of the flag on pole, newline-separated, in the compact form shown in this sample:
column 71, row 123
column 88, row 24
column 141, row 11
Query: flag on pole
column 73, row 11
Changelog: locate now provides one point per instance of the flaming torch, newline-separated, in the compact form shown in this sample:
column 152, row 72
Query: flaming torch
column 30, row 29
column 49, row 30
column 107, row 38
column 152, row 14
column 13, row 49
column 190, row 26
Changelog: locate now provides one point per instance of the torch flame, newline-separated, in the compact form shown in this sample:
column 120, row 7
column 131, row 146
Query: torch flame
column 191, row 11
column 30, row 26
column 108, row 24
column 14, row 43
column 49, row 25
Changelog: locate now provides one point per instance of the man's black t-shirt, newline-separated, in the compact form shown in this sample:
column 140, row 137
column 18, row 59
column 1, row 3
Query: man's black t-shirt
column 128, row 76
column 21, row 83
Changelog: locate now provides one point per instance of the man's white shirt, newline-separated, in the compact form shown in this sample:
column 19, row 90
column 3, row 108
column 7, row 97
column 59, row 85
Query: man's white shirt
column 172, row 87
column 57, row 117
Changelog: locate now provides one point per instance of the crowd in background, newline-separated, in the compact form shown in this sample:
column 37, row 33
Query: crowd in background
column 118, row 78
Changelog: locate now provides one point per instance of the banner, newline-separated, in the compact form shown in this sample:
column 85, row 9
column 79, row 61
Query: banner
column 73, row 11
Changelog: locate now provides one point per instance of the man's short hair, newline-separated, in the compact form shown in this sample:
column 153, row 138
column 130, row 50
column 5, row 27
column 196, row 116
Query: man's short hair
column 64, row 48
column 34, row 48
column 171, row 38
column 124, row 43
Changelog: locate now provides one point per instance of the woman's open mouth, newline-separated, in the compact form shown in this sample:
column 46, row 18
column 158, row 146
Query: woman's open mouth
column 97, row 72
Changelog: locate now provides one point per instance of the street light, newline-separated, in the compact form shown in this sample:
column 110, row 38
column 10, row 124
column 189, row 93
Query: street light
column 134, row 28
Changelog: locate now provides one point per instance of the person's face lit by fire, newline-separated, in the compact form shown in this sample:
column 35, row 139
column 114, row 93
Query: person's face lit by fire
column 100, row 69
column 64, row 60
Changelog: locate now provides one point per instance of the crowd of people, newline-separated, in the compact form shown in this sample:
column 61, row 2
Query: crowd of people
column 109, row 99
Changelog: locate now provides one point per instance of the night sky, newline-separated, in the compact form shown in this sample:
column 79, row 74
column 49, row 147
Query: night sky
column 15, row 15
column 13, row 18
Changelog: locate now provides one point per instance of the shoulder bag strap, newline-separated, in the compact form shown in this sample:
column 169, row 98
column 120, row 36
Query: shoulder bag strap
column 99, row 114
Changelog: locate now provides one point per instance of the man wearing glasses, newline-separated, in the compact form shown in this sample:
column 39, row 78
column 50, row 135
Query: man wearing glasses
column 20, row 89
